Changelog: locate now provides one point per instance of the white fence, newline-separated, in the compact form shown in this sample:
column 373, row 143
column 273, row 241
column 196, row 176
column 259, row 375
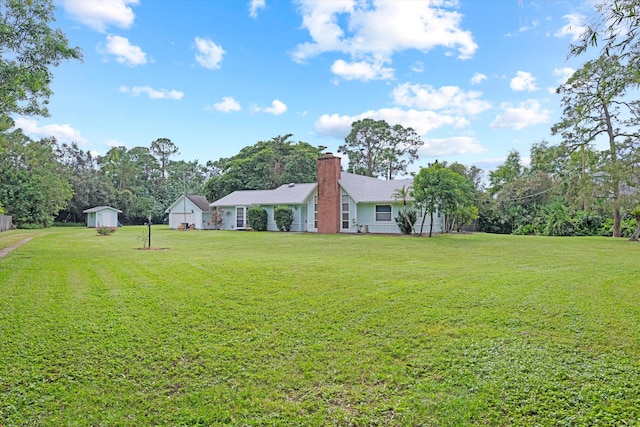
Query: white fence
column 6, row 222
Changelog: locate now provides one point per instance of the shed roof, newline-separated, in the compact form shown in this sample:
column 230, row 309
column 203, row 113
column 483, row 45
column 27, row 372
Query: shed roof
column 101, row 208
column 200, row 201
column 287, row 194
column 367, row 189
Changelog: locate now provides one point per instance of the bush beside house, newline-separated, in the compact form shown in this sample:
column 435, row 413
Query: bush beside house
column 283, row 216
column 257, row 218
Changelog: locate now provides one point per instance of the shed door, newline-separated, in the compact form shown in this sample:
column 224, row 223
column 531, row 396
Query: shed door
column 179, row 218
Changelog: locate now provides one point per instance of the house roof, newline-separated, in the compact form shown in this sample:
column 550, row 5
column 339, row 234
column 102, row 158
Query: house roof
column 101, row 208
column 287, row 194
column 200, row 201
column 367, row 189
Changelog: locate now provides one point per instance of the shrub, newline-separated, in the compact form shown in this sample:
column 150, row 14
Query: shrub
column 406, row 220
column 525, row 230
column 257, row 218
column 217, row 217
column 587, row 223
column 284, row 217
column 105, row 231
column 627, row 227
column 557, row 221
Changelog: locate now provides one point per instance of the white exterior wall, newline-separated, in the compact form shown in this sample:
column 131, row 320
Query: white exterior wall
column 186, row 211
column 310, row 213
column 299, row 217
column 102, row 218
column 365, row 219
column 228, row 217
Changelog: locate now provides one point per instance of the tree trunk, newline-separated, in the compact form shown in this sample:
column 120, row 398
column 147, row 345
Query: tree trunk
column 636, row 234
column 422, row 225
column 406, row 216
column 614, row 167
column 431, row 225
column 616, row 222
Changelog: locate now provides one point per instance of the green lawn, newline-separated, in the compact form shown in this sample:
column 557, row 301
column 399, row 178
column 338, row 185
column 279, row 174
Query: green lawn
column 278, row 329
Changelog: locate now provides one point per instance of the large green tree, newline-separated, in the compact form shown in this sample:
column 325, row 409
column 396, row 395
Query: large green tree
column 90, row 186
column 163, row 149
column 438, row 188
column 377, row 149
column 615, row 31
column 29, row 48
column 33, row 188
column 505, row 173
column 597, row 108
column 263, row 166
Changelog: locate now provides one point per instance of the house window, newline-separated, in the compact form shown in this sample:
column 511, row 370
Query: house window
column 241, row 217
column 315, row 212
column 345, row 212
column 383, row 213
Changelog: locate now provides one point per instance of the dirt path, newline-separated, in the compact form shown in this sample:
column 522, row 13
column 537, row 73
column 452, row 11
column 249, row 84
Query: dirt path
column 6, row 251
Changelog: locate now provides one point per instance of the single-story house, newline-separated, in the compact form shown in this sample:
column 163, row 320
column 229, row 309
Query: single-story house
column 294, row 196
column 190, row 211
column 339, row 202
column 102, row 216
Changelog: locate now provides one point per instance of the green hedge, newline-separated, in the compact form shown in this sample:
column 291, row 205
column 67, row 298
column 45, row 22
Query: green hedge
column 284, row 217
column 257, row 218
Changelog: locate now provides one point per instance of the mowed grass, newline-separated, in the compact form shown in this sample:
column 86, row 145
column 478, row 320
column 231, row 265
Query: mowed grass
column 280, row 329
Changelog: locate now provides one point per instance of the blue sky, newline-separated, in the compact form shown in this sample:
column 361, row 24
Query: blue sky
column 475, row 78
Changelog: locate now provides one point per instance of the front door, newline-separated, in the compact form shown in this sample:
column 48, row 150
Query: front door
column 241, row 216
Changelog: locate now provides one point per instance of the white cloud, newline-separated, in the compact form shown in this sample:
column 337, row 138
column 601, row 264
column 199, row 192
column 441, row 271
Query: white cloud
column 277, row 107
column 449, row 99
column 527, row 113
column 478, row 78
column 361, row 71
column 99, row 14
column 527, row 26
column 210, row 54
column 418, row 67
column 450, row 146
column 372, row 31
column 152, row 93
column 64, row 133
column 574, row 28
column 125, row 52
column 523, row 81
column 563, row 74
column 254, row 6
column 227, row 105
column 337, row 126
column 113, row 143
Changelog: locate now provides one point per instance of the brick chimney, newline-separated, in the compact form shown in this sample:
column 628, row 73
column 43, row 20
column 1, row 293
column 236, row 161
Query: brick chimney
column 328, row 194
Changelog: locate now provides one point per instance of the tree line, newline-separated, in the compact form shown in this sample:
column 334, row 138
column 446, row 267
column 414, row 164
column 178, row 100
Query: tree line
column 46, row 181
column 571, row 188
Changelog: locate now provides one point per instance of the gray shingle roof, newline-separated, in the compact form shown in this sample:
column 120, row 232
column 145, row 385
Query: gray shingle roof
column 287, row 194
column 367, row 189
column 199, row 201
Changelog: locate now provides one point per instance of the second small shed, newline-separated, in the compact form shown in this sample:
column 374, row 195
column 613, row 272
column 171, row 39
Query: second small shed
column 102, row 216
